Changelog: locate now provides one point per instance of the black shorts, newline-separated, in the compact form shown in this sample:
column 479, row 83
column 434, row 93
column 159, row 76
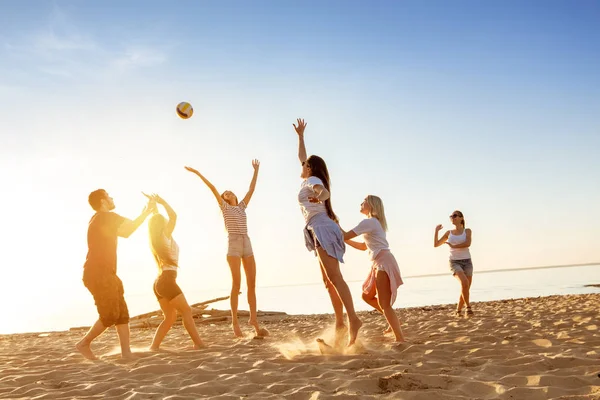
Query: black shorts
column 165, row 286
column 108, row 293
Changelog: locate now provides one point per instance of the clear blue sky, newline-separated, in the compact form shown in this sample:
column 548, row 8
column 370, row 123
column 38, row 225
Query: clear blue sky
column 487, row 107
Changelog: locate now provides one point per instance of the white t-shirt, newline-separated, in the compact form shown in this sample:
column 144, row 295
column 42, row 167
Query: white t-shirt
column 307, row 190
column 374, row 236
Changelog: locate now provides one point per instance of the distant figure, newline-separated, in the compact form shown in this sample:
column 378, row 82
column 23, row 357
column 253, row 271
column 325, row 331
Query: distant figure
column 323, row 235
column 381, row 286
column 100, row 270
column 459, row 240
column 239, row 249
column 167, row 292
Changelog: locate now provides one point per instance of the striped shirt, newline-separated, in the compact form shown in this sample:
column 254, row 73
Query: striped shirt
column 235, row 218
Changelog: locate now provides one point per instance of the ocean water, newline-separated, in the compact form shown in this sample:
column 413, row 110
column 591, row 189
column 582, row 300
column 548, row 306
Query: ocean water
column 313, row 298
column 442, row 289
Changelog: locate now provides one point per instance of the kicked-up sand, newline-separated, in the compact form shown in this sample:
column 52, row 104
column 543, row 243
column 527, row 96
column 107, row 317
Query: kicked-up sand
column 536, row 348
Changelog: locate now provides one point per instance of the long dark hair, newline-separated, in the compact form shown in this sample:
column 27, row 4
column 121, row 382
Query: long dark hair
column 156, row 227
column 319, row 169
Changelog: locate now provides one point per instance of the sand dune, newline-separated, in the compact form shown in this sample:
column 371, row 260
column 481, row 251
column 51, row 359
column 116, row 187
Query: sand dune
column 542, row 348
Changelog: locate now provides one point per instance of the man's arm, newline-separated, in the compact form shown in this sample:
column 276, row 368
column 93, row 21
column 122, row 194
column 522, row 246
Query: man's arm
column 128, row 226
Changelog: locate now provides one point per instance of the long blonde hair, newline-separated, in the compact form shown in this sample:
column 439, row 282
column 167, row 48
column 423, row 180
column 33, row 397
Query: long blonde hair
column 156, row 227
column 377, row 210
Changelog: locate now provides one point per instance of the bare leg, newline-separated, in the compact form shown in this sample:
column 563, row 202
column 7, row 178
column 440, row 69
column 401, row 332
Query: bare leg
column 236, row 278
column 371, row 299
column 384, row 293
column 249, row 264
column 170, row 315
column 181, row 304
column 336, row 302
column 83, row 346
column 123, row 333
column 464, row 290
column 470, row 280
column 332, row 269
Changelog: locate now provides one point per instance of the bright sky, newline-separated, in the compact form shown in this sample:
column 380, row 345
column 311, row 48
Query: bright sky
column 487, row 107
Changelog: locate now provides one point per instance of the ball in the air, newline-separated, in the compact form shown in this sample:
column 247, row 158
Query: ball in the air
column 184, row 110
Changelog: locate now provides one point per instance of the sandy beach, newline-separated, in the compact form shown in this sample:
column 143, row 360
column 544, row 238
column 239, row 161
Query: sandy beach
column 536, row 348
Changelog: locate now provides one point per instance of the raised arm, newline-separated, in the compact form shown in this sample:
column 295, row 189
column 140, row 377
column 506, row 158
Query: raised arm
column 300, row 131
column 168, row 231
column 128, row 226
column 438, row 242
column 255, row 165
column 212, row 187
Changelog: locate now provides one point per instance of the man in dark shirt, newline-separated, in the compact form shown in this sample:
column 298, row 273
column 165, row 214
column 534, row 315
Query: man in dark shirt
column 100, row 270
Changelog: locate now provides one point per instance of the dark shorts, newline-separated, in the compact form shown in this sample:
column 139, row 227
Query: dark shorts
column 465, row 266
column 166, row 287
column 108, row 293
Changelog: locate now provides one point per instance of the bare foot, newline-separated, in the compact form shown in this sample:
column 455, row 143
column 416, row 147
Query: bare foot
column 260, row 332
column 200, row 346
column 388, row 330
column 155, row 349
column 353, row 331
column 85, row 350
column 237, row 331
column 324, row 348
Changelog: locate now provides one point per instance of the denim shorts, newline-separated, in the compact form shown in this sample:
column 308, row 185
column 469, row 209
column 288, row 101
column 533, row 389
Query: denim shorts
column 465, row 266
column 239, row 246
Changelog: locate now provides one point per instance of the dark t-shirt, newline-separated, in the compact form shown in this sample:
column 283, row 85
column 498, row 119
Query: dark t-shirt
column 102, row 243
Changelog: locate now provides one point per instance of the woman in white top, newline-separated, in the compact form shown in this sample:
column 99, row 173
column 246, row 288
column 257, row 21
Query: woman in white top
column 167, row 292
column 381, row 286
column 323, row 235
column 459, row 241
column 239, row 250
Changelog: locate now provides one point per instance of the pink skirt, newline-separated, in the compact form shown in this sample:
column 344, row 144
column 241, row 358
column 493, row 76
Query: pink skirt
column 385, row 261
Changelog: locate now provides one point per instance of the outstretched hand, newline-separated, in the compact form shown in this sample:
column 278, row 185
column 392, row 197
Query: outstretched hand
column 154, row 197
column 301, row 126
column 151, row 206
column 255, row 164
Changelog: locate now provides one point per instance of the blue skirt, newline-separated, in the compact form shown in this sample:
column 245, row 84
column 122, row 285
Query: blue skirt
column 324, row 232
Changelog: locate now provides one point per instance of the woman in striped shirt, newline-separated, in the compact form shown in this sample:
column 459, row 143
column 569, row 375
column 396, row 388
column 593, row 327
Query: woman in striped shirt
column 240, row 248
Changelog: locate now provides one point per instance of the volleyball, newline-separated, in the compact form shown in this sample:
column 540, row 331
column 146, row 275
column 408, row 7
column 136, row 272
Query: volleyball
column 184, row 110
